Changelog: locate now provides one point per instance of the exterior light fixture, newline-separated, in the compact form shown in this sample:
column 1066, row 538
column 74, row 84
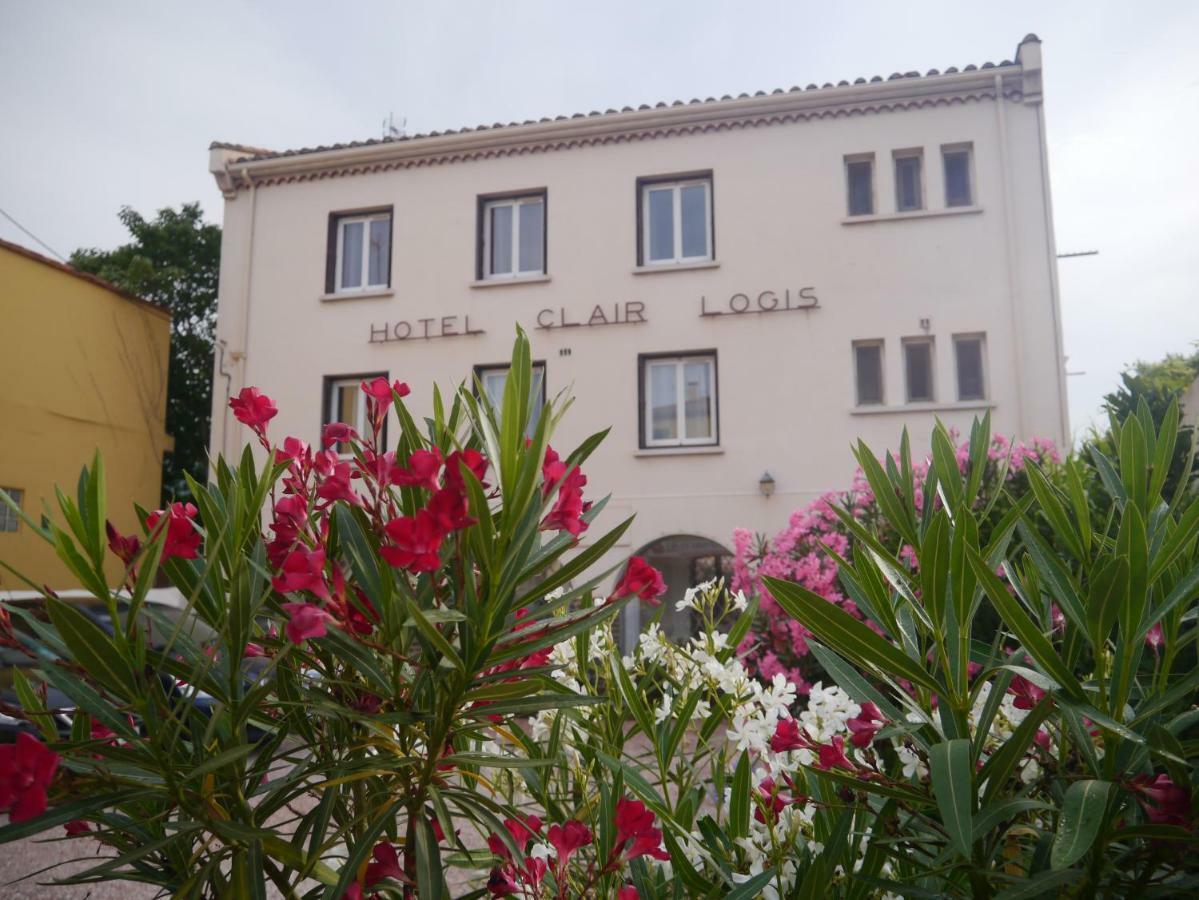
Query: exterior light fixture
column 766, row 484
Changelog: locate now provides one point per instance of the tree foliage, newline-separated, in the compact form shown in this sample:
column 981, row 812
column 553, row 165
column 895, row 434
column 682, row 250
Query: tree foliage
column 173, row 260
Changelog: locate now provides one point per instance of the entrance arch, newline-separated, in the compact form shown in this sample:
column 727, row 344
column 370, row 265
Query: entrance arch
column 684, row 560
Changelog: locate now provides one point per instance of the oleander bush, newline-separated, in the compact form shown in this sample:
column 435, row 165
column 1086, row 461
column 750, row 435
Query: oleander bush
column 407, row 685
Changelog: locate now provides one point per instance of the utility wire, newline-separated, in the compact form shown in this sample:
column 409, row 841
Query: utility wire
column 32, row 235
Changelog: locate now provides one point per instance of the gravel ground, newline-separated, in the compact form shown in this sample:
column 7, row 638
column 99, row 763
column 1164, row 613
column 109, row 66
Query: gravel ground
column 23, row 857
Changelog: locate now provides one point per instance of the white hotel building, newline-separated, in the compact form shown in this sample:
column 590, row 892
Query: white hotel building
column 737, row 286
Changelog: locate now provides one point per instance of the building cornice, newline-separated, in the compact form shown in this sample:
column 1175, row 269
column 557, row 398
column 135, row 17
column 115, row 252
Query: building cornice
column 235, row 170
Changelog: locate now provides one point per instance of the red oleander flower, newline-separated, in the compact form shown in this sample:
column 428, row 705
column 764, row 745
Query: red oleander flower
column 303, row 570
column 642, row 580
column 416, row 543
column 423, row 468
column 866, row 725
column 182, row 538
column 253, row 408
column 832, row 755
column 77, row 828
column 635, row 831
column 568, row 838
column 567, row 512
column 293, row 450
column 253, row 650
column 123, row 547
column 628, row 892
column 1155, row 637
column 336, row 486
column 787, row 736
column 501, row 884
column 386, row 864
column 26, row 769
column 1164, row 802
column 552, row 470
column 307, row 620
column 473, row 460
column 449, row 510
column 1027, row 694
column 337, row 433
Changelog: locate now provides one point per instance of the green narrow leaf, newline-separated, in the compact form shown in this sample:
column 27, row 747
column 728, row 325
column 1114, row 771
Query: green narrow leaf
column 92, row 648
column 740, row 801
column 1080, row 821
column 951, row 768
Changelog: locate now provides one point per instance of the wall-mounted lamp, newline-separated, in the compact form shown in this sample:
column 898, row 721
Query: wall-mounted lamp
column 926, row 325
column 766, row 484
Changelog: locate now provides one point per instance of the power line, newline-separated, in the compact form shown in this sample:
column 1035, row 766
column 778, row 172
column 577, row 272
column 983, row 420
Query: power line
column 32, row 235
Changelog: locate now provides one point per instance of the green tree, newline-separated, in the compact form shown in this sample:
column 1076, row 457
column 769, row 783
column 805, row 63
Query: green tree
column 1157, row 385
column 174, row 261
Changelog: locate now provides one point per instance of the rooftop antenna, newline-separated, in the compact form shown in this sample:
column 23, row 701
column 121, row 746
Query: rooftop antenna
column 390, row 131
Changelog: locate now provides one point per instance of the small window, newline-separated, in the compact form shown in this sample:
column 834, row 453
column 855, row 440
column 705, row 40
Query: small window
column 918, row 369
column 345, row 402
column 9, row 520
column 868, row 372
column 359, row 257
column 859, row 177
column 909, row 183
column 959, row 190
column 676, row 221
column 679, row 400
column 968, row 354
column 513, row 237
column 494, row 378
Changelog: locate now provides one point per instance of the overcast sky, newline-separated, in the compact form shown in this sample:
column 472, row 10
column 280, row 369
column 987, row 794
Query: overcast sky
column 115, row 103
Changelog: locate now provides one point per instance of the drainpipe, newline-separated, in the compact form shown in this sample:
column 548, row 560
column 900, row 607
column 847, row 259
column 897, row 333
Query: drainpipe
column 1012, row 256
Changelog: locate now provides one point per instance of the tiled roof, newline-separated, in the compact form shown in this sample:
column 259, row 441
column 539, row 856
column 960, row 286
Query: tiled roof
column 86, row 276
column 253, row 154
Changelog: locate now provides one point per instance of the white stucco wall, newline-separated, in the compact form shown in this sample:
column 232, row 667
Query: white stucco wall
column 786, row 380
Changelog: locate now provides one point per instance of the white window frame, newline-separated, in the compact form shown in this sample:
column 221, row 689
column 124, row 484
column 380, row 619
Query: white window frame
column 515, row 203
column 334, row 386
column 7, row 515
column 882, row 373
column 981, row 338
column 916, row 153
column 365, row 219
column 676, row 188
column 968, row 149
column 932, row 369
column 679, row 363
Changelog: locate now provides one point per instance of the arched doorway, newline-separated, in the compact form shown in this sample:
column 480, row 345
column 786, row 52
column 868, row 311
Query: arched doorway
column 684, row 560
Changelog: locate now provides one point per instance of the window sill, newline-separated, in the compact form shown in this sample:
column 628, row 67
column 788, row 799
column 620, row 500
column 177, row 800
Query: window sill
column 914, row 214
column 676, row 267
column 509, row 282
column 700, row 450
column 906, row 408
column 373, row 294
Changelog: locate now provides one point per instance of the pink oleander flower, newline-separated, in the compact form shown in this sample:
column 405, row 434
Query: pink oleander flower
column 27, row 768
column 253, row 408
column 642, row 580
column 307, row 620
column 293, row 450
column 1155, row 637
column 182, row 538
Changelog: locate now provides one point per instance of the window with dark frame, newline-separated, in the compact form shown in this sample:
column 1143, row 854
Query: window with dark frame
column 678, row 400
column 674, row 220
column 493, row 379
column 968, row 356
column 909, row 186
column 859, row 178
column 918, row 369
column 512, row 236
column 868, row 372
column 9, row 520
column 344, row 401
column 959, row 190
column 358, row 257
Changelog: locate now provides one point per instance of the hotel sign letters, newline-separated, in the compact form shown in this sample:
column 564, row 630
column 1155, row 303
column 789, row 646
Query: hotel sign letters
column 423, row 329
column 631, row 312
column 765, row 302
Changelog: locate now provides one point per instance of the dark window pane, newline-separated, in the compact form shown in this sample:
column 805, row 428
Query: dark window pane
column 694, row 210
column 957, row 178
column 380, row 252
column 9, row 520
column 351, row 255
column 861, row 188
column 661, row 224
column 869, row 359
column 918, row 360
column 532, row 237
column 501, row 240
column 970, row 368
column 907, row 183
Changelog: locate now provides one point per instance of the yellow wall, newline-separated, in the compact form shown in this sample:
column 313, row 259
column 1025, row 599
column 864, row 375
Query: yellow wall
column 81, row 368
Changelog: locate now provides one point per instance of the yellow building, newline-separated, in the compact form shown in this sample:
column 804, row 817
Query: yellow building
column 83, row 366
